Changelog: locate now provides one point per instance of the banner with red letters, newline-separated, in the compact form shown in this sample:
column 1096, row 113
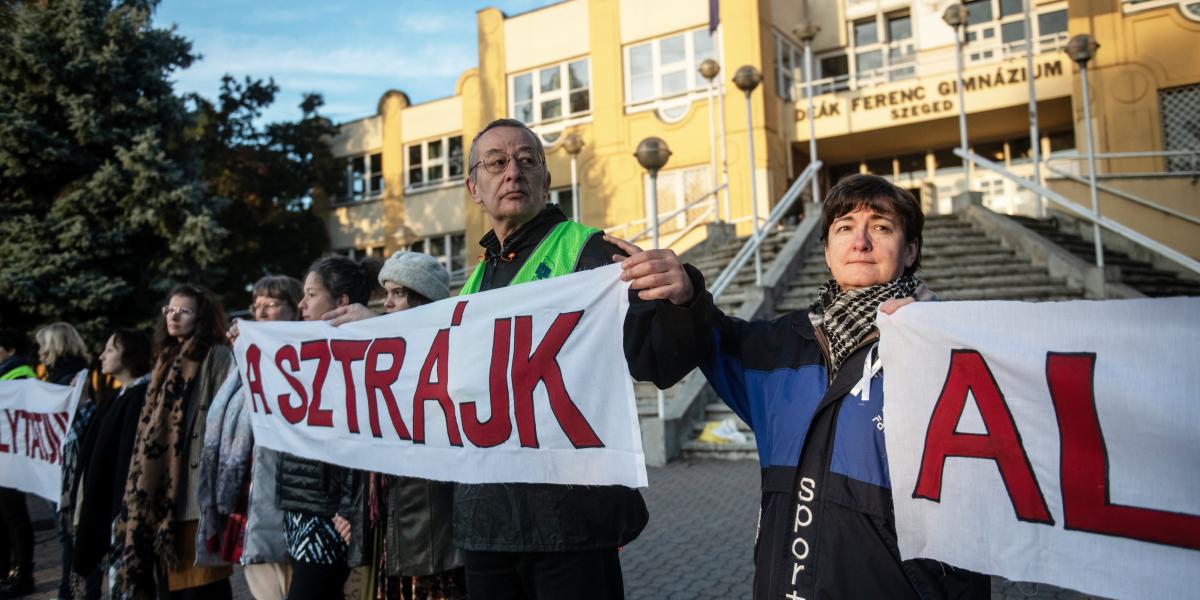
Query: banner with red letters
column 522, row 384
column 35, row 418
column 1053, row 442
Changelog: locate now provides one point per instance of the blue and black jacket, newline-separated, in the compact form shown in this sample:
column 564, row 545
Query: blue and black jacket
column 826, row 526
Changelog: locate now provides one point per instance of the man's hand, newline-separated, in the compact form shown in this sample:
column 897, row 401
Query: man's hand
column 348, row 314
column 342, row 526
column 891, row 306
column 657, row 274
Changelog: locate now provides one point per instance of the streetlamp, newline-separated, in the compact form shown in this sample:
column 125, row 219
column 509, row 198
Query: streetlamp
column 806, row 31
column 652, row 153
column 746, row 79
column 956, row 17
column 1081, row 49
column 573, row 144
column 1034, row 146
column 709, row 69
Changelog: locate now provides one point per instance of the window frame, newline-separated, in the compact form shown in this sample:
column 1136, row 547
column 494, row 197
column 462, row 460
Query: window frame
column 550, row 129
column 368, row 177
column 428, row 163
column 787, row 81
column 897, row 57
column 695, row 87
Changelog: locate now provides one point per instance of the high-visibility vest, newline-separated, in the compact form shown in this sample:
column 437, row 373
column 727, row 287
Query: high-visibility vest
column 557, row 254
column 21, row 372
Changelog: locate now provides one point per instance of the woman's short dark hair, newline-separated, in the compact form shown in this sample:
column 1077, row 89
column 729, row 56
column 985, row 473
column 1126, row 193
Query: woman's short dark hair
column 14, row 340
column 135, row 350
column 880, row 195
column 210, row 321
column 285, row 289
column 357, row 280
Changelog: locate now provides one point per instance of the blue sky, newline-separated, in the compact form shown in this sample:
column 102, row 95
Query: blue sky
column 351, row 51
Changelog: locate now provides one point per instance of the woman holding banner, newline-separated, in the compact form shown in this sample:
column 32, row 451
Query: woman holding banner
column 417, row 555
column 16, row 531
column 105, row 452
column 63, row 353
column 809, row 385
column 159, row 524
column 312, row 494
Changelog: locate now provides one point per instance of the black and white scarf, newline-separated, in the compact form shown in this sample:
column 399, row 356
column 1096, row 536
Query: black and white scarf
column 848, row 317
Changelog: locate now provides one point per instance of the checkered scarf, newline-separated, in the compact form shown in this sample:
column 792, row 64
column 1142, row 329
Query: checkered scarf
column 849, row 316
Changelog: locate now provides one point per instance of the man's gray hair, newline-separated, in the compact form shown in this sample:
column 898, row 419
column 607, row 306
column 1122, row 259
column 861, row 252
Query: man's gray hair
column 473, row 157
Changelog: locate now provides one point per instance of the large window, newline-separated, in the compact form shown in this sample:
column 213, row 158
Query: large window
column 565, row 201
column 678, row 188
column 364, row 177
column 996, row 29
column 883, row 48
column 667, row 67
column 789, row 68
column 434, row 162
column 449, row 248
column 551, row 93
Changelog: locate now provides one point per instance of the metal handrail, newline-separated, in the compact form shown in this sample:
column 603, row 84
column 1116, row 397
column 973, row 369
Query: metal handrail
column 663, row 218
column 1113, row 226
column 754, row 243
column 1137, row 154
column 1128, row 196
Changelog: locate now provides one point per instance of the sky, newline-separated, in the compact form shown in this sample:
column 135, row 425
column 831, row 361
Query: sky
column 351, row 51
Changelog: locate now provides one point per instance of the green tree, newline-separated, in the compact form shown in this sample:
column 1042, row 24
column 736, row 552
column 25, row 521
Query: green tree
column 270, row 175
column 101, row 205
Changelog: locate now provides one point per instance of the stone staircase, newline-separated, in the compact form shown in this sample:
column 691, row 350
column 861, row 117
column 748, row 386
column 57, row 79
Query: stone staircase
column 958, row 262
column 711, row 261
column 1140, row 275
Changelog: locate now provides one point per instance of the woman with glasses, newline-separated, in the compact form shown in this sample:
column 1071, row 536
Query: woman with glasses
column 314, row 495
column 158, row 526
column 64, row 354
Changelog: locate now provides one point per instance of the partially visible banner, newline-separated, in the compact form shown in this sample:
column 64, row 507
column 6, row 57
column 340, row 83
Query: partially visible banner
column 522, row 384
column 1055, row 442
column 35, row 417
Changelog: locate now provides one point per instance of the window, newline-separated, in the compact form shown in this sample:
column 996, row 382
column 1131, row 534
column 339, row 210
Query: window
column 364, row 177
column 833, row 73
column 564, row 199
column 434, row 162
column 889, row 57
column 676, row 189
column 667, row 67
column 789, row 68
column 1180, row 110
column 449, row 248
column 996, row 29
column 552, row 93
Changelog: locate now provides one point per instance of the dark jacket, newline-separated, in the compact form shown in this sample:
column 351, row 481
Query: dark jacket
column 314, row 487
column 418, row 534
column 516, row 517
column 826, row 525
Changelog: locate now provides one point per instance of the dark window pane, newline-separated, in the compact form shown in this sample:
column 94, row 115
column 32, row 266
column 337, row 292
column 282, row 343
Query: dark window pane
column 551, row 109
column 414, row 156
column 376, row 183
column 880, row 166
column 578, row 71
column 376, row 163
column 1018, row 148
column 437, row 246
column 834, row 66
column 869, row 61
column 563, row 198
column 993, row 151
column 456, row 156
column 1050, row 23
column 979, row 11
column 866, row 32
column 435, row 150
column 435, row 173
column 458, row 252
column 899, row 28
column 946, row 158
column 1012, row 32
column 358, row 164
column 1011, row 7
column 1062, row 140
column 414, row 176
column 417, row 246
column 580, row 102
column 548, row 79
column 911, row 163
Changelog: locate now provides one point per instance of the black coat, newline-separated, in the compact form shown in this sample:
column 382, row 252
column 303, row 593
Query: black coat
column 519, row 517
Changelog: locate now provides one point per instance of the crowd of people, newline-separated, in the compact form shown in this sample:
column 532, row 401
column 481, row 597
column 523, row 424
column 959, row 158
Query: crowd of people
column 164, row 488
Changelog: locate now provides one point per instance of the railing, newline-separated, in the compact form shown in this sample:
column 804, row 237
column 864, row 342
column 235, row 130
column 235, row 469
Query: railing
column 1167, row 154
column 1126, row 195
column 753, row 245
column 666, row 218
column 1087, row 215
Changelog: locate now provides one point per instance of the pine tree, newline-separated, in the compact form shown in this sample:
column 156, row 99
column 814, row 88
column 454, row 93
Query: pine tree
column 101, row 203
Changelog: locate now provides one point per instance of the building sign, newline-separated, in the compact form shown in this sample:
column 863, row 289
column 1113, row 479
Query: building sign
column 986, row 88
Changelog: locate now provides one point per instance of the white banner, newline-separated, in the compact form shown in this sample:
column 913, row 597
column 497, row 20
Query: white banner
column 1055, row 442
column 522, row 384
column 35, row 417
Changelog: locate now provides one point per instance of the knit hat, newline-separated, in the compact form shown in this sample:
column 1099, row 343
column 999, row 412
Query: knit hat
column 418, row 272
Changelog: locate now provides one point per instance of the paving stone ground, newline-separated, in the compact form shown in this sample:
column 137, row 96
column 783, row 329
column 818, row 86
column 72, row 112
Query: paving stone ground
column 698, row 545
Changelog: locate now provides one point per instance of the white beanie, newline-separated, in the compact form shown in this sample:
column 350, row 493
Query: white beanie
column 418, row 272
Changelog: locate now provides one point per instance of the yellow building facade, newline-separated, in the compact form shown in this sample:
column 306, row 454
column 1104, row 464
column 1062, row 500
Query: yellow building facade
column 614, row 72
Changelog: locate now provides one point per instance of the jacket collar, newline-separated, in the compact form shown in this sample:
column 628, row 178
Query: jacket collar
column 525, row 236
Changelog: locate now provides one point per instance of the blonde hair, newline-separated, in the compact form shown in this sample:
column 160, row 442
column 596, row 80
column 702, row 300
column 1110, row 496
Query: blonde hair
column 60, row 339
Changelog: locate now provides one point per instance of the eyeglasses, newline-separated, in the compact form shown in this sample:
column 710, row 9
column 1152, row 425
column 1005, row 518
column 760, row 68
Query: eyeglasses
column 168, row 311
column 496, row 161
column 267, row 305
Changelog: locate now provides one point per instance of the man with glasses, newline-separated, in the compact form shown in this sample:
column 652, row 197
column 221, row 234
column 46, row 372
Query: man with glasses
column 535, row 541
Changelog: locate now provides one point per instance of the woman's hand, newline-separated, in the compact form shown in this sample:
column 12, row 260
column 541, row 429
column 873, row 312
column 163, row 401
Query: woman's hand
column 348, row 314
column 891, row 306
column 232, row 333
column 342, row 526
column 656, row 274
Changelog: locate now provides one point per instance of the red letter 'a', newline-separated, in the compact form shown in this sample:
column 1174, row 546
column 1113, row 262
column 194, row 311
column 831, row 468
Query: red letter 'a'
column 347, row 352
column 542, row 366
column 318, row 350
column 1002, row 443
column 498, row 427
column 254, row 378
column 428, row 390
column 379, row 383
column 1084, row 466
column 292, row 414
